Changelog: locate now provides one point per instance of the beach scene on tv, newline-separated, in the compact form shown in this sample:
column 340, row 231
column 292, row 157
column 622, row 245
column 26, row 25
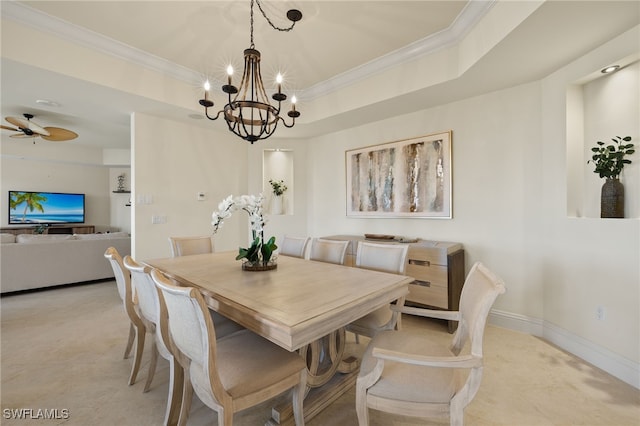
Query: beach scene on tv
column 45, row 207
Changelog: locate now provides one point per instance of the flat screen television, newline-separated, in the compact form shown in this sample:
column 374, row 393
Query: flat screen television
column 27, row 207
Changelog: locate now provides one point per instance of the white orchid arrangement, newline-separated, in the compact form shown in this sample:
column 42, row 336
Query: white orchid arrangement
column 259, row 251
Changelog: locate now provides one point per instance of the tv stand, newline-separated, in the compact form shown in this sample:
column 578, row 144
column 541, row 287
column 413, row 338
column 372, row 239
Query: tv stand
column 53, row 229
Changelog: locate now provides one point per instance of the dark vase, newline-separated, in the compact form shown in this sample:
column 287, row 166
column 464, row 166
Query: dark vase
column 612, row 199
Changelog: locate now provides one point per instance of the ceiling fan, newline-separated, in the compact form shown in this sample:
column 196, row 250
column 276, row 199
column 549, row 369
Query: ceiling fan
column 25, row 128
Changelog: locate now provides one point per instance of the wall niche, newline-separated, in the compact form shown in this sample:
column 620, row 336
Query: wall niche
column 277, row 165
column 599, row 107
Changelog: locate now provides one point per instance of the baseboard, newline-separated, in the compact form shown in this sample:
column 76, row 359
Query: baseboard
column 619, row 367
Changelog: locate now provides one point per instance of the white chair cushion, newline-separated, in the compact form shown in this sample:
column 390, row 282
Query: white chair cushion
column 407, row 382
column 262, row 363
column 375, row 319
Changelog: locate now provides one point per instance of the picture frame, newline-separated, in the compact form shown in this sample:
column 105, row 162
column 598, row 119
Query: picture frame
column 405, row 178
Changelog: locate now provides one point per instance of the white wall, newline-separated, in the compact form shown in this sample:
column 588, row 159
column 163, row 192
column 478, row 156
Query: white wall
column 509, row 211
column 171, row 163
column 120, row 215
column 29, row 167
column 588, row 262
column 494, row 168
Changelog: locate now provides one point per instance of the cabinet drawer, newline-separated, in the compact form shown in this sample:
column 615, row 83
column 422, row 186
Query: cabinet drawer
column 431, row 285
column 432, row 273
column 427, row 255
column 435, row 295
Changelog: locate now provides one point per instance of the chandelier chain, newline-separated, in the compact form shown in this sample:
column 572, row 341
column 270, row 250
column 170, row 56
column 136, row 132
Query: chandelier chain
column 275, row 27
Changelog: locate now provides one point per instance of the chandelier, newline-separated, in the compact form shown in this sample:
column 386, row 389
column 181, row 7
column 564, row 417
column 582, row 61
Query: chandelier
column 250, row 114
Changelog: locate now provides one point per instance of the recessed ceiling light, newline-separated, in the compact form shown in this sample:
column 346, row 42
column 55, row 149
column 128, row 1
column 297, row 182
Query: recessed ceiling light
column 610, row 69
column 47, row 103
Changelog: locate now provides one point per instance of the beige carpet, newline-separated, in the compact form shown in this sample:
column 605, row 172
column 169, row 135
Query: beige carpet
column 62, row 349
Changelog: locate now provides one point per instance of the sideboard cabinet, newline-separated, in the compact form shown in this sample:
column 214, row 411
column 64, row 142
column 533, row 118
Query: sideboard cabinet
column 436, row 266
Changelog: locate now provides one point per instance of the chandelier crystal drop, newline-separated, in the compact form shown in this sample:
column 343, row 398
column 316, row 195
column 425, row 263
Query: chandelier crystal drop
column 249, row 112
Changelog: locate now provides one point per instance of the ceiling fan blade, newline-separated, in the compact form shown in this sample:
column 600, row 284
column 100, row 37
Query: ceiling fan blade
column 24, row 135
column 9, row 128
column 27, row 124
column 57, row 134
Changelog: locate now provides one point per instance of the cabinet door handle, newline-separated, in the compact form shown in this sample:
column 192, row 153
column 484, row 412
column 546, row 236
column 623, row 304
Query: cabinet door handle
column 419, row 262
column 422, row 283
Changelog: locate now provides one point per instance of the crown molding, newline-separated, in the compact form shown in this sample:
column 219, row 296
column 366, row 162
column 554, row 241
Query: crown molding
column 41, row 21
column 466, row 20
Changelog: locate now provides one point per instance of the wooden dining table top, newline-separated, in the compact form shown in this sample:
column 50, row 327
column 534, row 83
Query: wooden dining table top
column 298, row 302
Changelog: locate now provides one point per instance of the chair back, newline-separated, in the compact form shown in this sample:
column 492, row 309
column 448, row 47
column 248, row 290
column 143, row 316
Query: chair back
column 123, row 280
column 145, row 289
column 293, row 246
column 480, row 290
column 330, row 251
column 382, row 257
column 184, row 314
column 186, row 246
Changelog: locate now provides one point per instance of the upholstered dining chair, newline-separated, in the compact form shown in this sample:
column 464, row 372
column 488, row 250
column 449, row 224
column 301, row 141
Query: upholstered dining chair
column 406, row 372
column 390, row 258
column 229, row 374
column 149, row 309
column 188, row 246
column 137, row 328
column 294, row 246
column 185, row 246
column 330, row 251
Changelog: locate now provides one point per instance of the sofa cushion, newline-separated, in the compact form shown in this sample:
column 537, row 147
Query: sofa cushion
column 46, row 238
column 106, row 236
column 7, row 238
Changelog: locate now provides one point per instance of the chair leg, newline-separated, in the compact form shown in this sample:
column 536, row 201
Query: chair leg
column 174, row 399
column 187, row 395
column 363, row 383
column 298, row 399
column 132, row 337
column 152, row 365
column 140, row 332
column 225, row 416
column 362, row 411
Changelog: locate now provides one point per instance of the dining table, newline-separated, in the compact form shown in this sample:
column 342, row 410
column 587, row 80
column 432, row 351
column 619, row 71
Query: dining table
column 301, row 305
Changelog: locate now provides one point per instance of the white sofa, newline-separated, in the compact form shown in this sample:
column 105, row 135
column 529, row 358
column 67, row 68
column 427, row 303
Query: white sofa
column 30, row 261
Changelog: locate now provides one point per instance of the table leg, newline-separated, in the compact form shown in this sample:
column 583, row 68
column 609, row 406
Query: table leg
column 324, row 359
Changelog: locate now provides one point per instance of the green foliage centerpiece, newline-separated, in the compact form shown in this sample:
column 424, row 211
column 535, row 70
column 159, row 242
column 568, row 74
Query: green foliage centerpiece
column 257, row 257
column 609, row 160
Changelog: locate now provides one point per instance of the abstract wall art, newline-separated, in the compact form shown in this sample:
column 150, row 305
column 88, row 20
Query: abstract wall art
column 407, row 178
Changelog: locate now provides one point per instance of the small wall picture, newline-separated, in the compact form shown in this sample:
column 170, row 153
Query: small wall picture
column 407, row 178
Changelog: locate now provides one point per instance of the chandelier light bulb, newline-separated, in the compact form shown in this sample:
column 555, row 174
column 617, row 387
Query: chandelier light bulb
column 207, row 87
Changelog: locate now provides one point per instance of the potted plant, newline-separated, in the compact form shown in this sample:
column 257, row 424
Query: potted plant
column 609, row 161
column 257, row 257
column 278, row 187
